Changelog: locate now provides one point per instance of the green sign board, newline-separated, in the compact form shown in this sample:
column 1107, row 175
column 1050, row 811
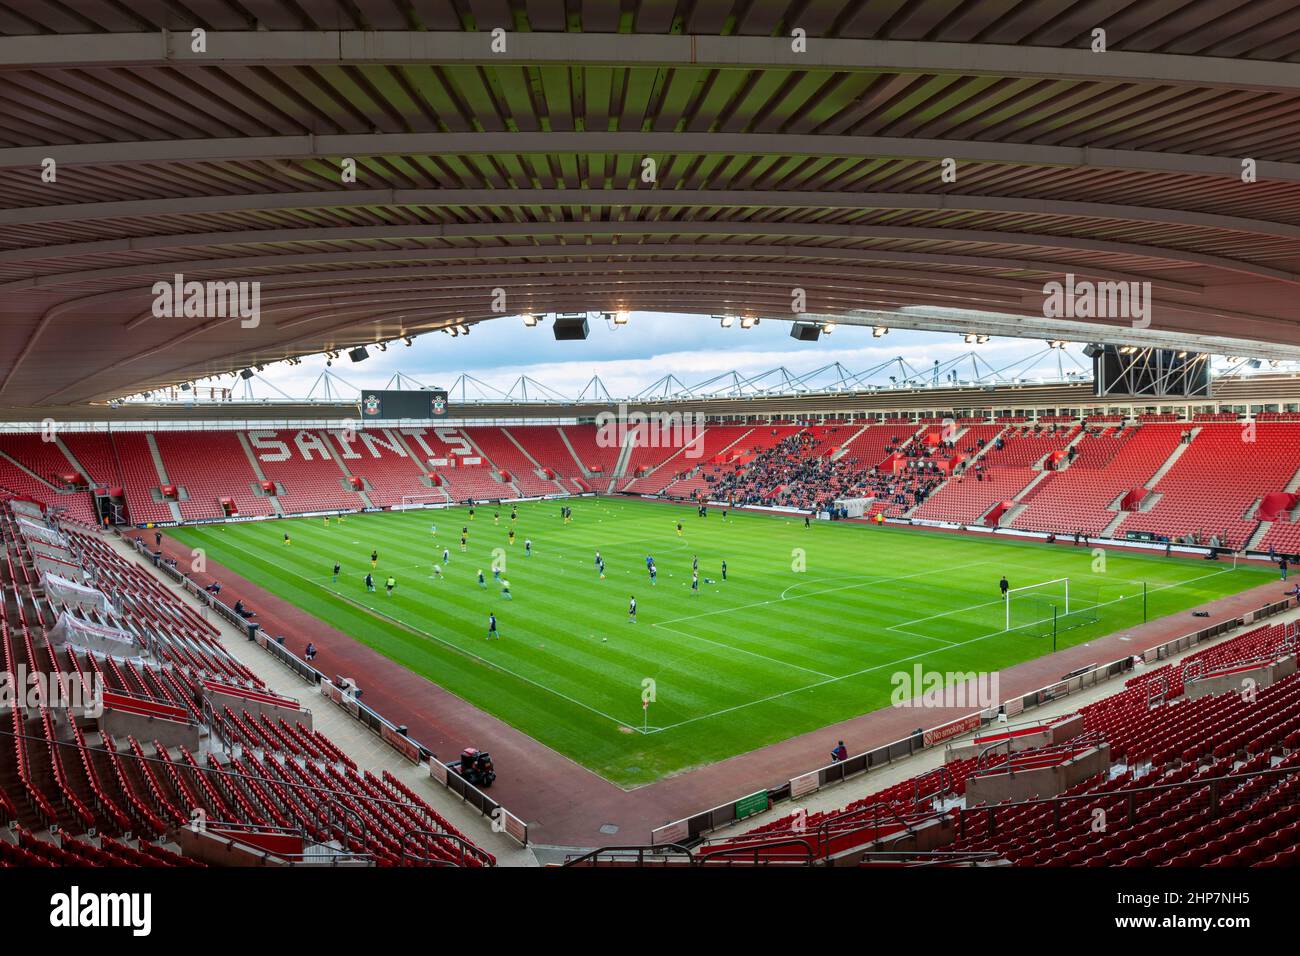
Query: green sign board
column 752, row 804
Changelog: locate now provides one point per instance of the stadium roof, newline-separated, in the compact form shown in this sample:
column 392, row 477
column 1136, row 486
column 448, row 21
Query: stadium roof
column 774, row 168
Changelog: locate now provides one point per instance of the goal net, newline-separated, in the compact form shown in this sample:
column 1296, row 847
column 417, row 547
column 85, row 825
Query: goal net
column 423, row 501
column 1036, row 607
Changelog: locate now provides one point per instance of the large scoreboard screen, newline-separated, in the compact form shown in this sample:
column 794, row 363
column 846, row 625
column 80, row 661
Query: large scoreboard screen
column 393, row 403
column 1149, row 372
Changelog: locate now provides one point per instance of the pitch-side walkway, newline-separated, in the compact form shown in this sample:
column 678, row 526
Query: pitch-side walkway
column 567, row 805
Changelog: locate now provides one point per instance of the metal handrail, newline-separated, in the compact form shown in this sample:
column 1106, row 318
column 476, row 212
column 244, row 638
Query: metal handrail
column 825, row 836
column 1192, row 670
column 1012, row 726
column 982, row 759
column 947, row 785
column 1279, row 653
column 929, row 857
column 881, row 815
column 809, row 856
column 1089, row 738
column 640, row 849
column 233, row 829
column 460, row 842
column 331, row 822
column 1157, row 692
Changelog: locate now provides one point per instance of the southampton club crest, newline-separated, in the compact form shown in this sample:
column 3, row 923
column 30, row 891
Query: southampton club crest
column 439, row 405
column 371, row 405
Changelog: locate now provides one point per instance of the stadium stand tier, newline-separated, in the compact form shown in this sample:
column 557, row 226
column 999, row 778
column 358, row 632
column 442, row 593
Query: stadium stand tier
column 183, row 733
column 1214, row 488
column 1230, row 484
column 1183, row 779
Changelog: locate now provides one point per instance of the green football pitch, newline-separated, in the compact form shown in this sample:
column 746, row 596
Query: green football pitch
column 809, row 628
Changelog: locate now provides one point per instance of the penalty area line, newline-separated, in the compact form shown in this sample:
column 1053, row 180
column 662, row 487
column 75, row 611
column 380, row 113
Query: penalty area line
column 732, row 647
column 800, row 597
column 901, row 660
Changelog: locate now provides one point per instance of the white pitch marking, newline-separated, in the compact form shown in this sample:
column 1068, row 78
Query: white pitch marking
column 901, row 660
column 847, row 587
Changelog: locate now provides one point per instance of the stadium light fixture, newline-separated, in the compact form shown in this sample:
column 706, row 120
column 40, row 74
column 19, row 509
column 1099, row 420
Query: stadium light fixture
column 620, row 317
column 748, row 322
column 530, row 320
column 828, row 327
column 408, row 340
column 879, row 331
column 727, row 321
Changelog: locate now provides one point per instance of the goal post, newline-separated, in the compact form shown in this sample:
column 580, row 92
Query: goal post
column 412, row 502
column 1036, row 604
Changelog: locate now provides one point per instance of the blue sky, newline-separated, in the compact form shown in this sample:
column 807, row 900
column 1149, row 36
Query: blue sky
column 630, row 358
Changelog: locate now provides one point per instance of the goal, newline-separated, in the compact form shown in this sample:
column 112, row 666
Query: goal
column 1037, row 605
column 411, row 502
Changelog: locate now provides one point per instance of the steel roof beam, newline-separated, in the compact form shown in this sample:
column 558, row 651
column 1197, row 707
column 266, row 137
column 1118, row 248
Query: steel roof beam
column 634, row 143
column 648, row 198
column 245, row 265
column 629, row 231
column 617, row 50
